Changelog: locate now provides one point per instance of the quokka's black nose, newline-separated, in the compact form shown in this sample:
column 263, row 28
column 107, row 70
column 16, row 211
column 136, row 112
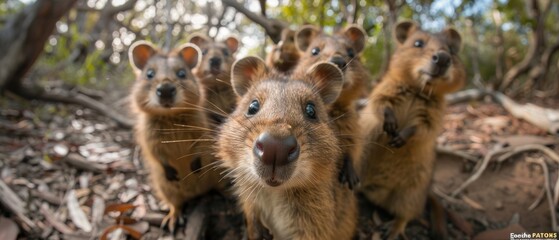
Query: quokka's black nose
column 274, row 150
column 339, row 61
column 166, row 91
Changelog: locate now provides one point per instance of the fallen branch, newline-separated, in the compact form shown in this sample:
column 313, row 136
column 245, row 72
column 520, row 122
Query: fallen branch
column 196, row 222
column 544, row 118
column 550, row 201
column 78, row 99
column 14, row 204
column 465, row 96
column 505, row 154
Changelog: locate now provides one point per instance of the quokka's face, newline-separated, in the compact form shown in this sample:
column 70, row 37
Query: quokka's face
column 341, row 49
column 432, row 59
column 164, row 81
column 284, row 55
column 217, row 58
column 279, row 135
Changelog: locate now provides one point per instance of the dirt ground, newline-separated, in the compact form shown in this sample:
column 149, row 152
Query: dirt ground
column 54, row 156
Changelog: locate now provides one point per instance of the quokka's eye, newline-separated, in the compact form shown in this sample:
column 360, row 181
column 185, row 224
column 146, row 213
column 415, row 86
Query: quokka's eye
column 253, row 108
column 225, row 52
column 150, row 73
column 204, row 51
column 350, row 53
column 310, row 111
column 315, row 51
column 418, row 43
column 181, row 73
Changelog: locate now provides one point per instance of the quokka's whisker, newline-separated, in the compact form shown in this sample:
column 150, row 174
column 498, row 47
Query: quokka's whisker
column 188, row 140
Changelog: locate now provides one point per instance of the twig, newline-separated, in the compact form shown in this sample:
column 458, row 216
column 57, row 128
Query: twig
column 479, row 170
column 529, row 147
column 538, row 200
column 472, row 203
column 533, row 147
column 542, row 163
column 14, row 204
column 47, row 196
column 446, row 197
column 196, row 222
column 58, row 225
column 461, row 154
column 80, row 162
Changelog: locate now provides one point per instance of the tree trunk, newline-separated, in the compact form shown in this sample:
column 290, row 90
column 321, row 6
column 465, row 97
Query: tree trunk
column 536, row 48
column 273, row 27
column 23, row 38
column 393, row 11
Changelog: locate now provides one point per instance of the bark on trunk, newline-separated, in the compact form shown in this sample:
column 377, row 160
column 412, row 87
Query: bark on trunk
column 23, row 38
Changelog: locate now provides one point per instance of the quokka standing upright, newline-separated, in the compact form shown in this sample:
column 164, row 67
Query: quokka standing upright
column 343, row 50
column 403, row 118
column 171, row 126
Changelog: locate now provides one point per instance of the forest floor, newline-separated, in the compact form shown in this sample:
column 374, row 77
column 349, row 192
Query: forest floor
column 76, row 174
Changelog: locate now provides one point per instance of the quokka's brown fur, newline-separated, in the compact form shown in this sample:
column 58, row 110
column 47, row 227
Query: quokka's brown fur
column 214, row 72
column 342, row 49
column 297, row 195
column 171, row 128
column 284, row 55
column 403, row 118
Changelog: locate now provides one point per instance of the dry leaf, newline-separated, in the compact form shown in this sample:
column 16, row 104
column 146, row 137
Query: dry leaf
column 77, row 215
column 119, row 207
column 133, row 233
column 8, row 229
column 97, row 209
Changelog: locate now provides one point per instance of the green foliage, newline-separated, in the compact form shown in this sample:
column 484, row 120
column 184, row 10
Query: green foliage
column 373, row 15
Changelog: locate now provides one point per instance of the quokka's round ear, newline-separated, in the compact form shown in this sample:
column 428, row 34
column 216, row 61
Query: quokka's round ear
column 139, row 54
column 232, row 44
column 453, row 39
column 356, row 36
column 198, row 39
column 190, row 54
column 246, row 72
column 403, row 30
column 327, row 79
column 304, row 36
column 287, row 35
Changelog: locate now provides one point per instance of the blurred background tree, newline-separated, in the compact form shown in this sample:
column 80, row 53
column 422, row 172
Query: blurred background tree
column 509, row 45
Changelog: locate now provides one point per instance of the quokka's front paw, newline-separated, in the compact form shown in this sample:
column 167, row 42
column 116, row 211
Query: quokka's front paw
column 397, row 141
column 347, row 173
column 172, row 220
column 390, row 124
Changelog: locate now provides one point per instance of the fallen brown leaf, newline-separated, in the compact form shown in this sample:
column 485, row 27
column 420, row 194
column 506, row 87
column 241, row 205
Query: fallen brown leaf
column 8, row 229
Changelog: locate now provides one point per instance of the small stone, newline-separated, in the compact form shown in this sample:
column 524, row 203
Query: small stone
column 61, row 150
column 499, row 205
